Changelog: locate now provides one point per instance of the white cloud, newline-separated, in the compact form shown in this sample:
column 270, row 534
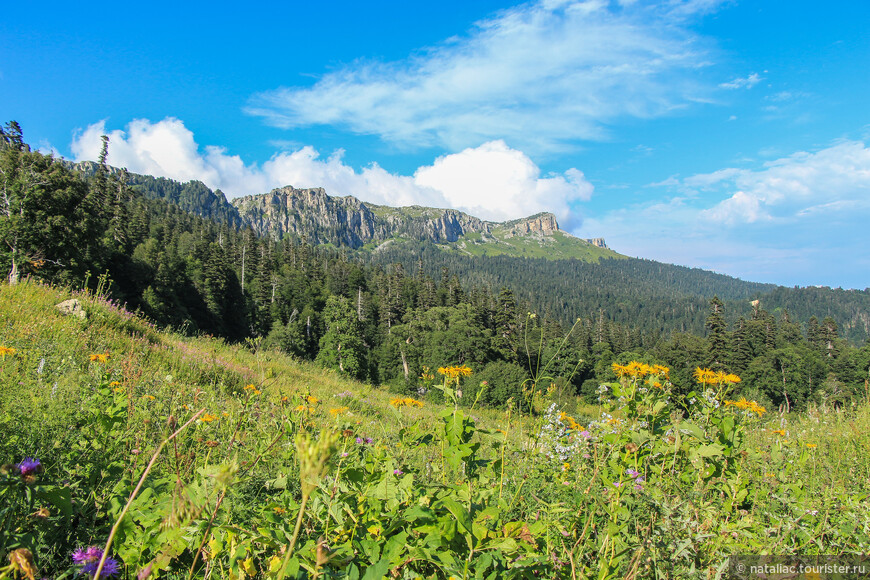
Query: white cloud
column 785, row 221
column 492, row 181
column 743, row 83
column 789, row 186
column 543, row 74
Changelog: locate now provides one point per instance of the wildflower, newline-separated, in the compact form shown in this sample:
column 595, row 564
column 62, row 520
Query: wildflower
column 89, row 558
column 100, row 357
column 338, row 411
column 359, row 440
column 312, row 400
column 284, row 399
column 41, row 513
column 29, row 466
column 455, row 372
column 250, row 387
column 617, row 484
column 114, row 384
column 4, row 350
column 148, row 397
column 369, row 441
column 811, row 445
column 21, row 561
column 405, row 402
column 632, row 472
column 750, row 406
column 398, row 472
column 279, row 510
column 566, row 466
column 705, row 376
column 208, row 418
column 258, row 392
column 780, row 432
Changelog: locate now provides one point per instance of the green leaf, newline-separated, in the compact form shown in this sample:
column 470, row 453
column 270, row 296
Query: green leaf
column 59, row 497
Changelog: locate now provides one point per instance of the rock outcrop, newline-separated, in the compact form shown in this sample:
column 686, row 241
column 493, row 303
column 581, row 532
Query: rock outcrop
column 597, row 242
column 346, row 221
column 542, row 224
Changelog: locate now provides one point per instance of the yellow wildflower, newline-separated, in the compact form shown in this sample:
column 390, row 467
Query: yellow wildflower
column 312, row 400
column 780, row 432
column 149, row 397
column 566, row 466
column 455, row 372
column 114, row 384
column 207, row 418
column 405, row 402
column 338, row 411
column 250, row 387
column 705, row 376
column 4, row 350
column 812, row 445
column 100, row 357
column 661, row 370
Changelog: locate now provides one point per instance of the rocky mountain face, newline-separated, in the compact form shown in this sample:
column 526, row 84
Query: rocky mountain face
column 321, row 218
column 346, row 221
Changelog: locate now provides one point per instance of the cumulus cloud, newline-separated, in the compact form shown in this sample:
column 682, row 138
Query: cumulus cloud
column 785, row 221
column 491, row 181
column 837, row 176
column 542, row 74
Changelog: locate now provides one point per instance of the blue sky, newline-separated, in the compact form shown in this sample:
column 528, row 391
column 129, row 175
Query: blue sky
column 726, row 135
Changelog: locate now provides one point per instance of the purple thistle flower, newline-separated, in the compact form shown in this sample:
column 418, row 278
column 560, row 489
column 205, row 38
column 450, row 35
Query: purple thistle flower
column 90, row 559
column 398, row 472
column 359, row 441
column 85, row 555
column 29, row 466
column 110, row 568
column 369, row 441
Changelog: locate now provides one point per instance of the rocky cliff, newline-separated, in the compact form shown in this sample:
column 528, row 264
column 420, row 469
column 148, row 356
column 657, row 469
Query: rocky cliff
column 346, row 221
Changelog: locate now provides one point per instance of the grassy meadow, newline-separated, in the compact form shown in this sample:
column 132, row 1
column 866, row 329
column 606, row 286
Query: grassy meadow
column 136, row 453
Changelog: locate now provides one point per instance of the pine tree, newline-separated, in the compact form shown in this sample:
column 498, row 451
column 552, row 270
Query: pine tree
column 717, row 335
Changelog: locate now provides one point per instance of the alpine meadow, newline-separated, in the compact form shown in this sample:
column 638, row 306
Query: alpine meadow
column 184, row 398
column 506, row 289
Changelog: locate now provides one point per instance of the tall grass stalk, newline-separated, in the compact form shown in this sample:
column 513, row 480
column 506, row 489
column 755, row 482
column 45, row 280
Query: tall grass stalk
column 136, row 491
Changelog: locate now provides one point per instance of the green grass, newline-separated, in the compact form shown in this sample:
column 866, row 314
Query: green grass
column 556, row 246
column 265, row 478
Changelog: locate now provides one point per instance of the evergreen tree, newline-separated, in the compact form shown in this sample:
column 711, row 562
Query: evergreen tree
column 342, row 346
column 717, row 335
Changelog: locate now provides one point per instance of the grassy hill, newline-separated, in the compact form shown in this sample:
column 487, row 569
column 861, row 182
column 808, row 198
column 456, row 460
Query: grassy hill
column 189, row 457
column 556, row 246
